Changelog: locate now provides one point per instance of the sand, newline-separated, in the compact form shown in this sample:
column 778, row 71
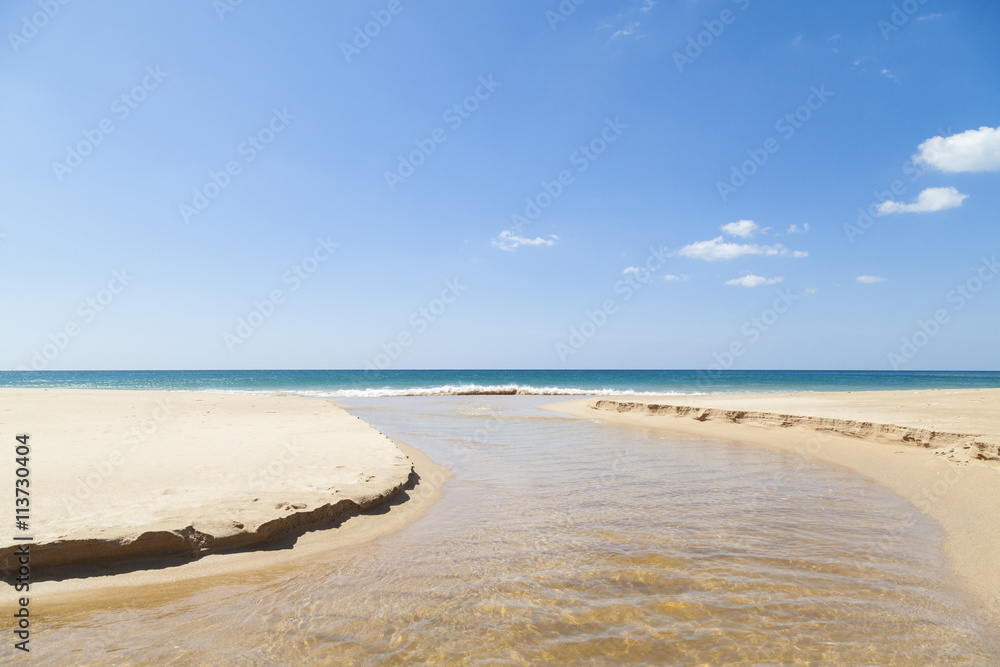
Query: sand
column 146, row 494
column 936, row 448
column 122, row 481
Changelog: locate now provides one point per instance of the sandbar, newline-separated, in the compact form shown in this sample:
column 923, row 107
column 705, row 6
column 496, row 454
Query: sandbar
column 130, row 479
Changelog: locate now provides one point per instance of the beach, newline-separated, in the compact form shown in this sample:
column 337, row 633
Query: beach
column 620, row 528
column 563, row 333
column 936, row 448
column 140, row 483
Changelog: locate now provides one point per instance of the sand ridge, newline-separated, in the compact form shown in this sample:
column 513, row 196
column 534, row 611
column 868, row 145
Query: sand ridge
column 958, row 447
column 124, row 475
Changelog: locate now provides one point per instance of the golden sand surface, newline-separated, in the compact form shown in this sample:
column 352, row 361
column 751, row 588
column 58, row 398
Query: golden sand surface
column 145, row 486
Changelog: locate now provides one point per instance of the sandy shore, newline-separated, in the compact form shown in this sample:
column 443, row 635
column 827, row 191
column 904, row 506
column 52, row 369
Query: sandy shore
column 936, row 448
column 126, row 481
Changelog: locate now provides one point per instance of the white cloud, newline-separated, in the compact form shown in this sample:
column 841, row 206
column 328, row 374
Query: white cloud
column 889, row 75
column 630, row 16
column 682, row 278
column 754, row 281
column 510, row 242
column 744, row 228
column 870, row 280
column 627, row 31
column 717, row 249
column 795, row 229
column 972, row 150
column 928, row 201
column 929, row 17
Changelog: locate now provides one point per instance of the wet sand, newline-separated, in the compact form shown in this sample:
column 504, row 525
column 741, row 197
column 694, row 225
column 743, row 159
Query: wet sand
column 936, row 448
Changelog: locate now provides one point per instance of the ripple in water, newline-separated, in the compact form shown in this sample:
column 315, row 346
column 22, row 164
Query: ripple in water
column 567, row 541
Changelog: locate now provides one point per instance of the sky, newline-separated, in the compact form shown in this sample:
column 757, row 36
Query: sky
column 404, row 184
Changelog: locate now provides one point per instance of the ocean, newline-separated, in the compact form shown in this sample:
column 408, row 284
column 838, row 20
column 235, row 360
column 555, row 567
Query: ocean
column 380, row 384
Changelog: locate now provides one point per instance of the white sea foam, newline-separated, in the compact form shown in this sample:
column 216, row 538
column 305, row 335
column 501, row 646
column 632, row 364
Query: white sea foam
column 457, row 390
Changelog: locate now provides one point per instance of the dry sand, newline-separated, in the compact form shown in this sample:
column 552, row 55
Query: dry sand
column 936, row 448
column 149, row 485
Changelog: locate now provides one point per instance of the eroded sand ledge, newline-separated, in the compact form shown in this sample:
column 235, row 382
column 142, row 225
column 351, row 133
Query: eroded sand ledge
column 939, row 449
column 959, row 447
column 120, row 476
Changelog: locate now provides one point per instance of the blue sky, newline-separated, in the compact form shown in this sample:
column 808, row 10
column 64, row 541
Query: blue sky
column 644, row 110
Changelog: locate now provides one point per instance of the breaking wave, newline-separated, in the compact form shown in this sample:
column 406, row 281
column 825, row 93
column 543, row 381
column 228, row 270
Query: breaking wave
column 462, row 390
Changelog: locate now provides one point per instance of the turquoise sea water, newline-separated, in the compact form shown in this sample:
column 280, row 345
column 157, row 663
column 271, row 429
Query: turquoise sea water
column 361, row 384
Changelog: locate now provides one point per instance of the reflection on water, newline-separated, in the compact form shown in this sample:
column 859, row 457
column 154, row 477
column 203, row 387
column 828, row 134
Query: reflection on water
column 569, row 541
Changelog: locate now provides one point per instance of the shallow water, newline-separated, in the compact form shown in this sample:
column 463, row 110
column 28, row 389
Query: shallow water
column 569, row 541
